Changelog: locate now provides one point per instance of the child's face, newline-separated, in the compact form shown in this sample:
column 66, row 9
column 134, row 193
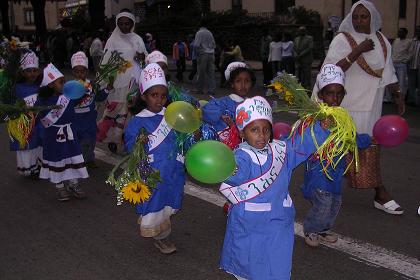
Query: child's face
column 242, row 84
column 332, row 94
column 164, row 66
column 155, row 98
column 57, row 85
column 257, row 133
column 80, row 72
column 30, row 74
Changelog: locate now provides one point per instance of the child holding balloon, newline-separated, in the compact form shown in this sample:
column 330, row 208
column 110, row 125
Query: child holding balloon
column 259, row 234
column 166, row 199
column 86, row 114
column 220, row 112
column 325, row 193
column 62, row 157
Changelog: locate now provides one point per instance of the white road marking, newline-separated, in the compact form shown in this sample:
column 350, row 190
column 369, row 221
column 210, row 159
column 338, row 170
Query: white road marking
column 363, row 251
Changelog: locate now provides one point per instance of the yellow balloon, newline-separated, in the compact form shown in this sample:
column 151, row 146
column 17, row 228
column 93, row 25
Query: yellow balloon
column 183, row 117
column 203, row 102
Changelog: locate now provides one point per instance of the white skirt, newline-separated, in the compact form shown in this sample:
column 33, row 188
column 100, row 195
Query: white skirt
column 365, row 121
column 28, row 161
column 63, row 170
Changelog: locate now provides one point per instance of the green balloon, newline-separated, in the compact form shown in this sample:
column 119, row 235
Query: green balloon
column 210, row 162
column 182, row 117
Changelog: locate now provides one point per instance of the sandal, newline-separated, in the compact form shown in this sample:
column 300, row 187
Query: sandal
column 165, row 246
column 390, row 207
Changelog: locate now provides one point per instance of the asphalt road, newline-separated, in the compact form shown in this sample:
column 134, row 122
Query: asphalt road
column 41, row 238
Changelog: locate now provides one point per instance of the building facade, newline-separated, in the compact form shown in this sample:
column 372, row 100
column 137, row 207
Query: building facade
column 395, row 13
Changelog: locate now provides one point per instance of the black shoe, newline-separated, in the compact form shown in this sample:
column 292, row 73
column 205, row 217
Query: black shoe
column 112, row 147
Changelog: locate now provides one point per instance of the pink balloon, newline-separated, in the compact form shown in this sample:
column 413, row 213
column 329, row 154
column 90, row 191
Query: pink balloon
column 281, row 130
column 390, row 130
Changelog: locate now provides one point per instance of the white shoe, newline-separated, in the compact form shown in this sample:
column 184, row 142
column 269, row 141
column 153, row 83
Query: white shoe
column 391, row 207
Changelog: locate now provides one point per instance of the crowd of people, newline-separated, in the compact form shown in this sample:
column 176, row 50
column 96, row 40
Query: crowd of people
column 359, row 66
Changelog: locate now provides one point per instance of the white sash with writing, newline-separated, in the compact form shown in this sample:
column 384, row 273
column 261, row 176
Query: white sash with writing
column 31, row 99
column 159, row 135
column 55, row 114
column 256, row 186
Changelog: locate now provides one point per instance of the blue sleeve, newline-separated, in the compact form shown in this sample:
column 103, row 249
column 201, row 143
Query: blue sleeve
column 131, row 132
column 213, row 110
column 300, row 148
column 363, row 140
column 101, row 95
column 243, row 169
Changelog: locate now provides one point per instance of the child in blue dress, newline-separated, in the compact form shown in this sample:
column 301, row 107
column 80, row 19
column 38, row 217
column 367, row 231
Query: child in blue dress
column 324, row 193
column 62, row 157
column 28, row 159
column 86, row 114
column 259, row 234
column 220, row 112
column 166, row 199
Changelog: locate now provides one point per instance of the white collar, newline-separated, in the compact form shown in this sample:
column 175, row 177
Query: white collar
column 146, row 113
column 236, row 97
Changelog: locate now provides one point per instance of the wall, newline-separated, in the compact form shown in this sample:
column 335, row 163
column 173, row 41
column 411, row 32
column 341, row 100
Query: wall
column 17, row 15
column 220, row 5
column 113, row 7
column 260, row 6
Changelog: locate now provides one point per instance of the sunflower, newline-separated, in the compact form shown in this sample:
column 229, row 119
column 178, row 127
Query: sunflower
column 136, row 192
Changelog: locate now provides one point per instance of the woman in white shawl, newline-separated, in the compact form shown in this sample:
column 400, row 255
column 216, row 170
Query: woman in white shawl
column 130, row 46
column 365, row 55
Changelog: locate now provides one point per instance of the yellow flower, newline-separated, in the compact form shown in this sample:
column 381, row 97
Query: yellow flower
column 124, row 66
column 276, row 86
column 13, row 44
column 136, row 192
column 288, row 97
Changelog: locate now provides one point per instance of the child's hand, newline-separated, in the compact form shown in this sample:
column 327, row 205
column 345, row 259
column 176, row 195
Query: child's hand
column 325, row 124
column 109, row 87
column 228, row 120
column 373, row 141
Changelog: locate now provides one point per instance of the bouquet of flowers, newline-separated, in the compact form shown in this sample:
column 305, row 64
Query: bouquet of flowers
column 137, row 180
column 20, row 118
column 342, row 137
column 108, row 71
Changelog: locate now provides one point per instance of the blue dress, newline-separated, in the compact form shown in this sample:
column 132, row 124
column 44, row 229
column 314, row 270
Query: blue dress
column 29, row 93
column 217, row 107
column 259, row 234
column 86, row 114
column 166, row 199
column 62, row 157
column 315, row 177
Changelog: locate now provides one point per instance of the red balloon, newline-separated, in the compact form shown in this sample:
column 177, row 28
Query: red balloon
column 281, row 130
column 390, row 130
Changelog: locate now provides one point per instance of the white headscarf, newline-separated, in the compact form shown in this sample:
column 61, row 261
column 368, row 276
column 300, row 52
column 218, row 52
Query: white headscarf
column 375, row 18
column 128, row 45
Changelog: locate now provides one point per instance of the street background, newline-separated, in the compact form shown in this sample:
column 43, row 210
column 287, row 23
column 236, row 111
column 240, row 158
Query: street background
column 41, row 238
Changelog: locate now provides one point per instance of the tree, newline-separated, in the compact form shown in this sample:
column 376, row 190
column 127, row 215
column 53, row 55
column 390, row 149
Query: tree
column 4, row 9
column 39, row 17
column 97, row 13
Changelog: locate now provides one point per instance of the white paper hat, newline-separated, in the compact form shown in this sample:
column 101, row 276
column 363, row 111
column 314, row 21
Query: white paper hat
column 29, row 60
column 151, row 75
column 79, row 58
column 255, row 108
column 155, row 57
column 330, row 74
column 232, row 66
column 51, row 73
